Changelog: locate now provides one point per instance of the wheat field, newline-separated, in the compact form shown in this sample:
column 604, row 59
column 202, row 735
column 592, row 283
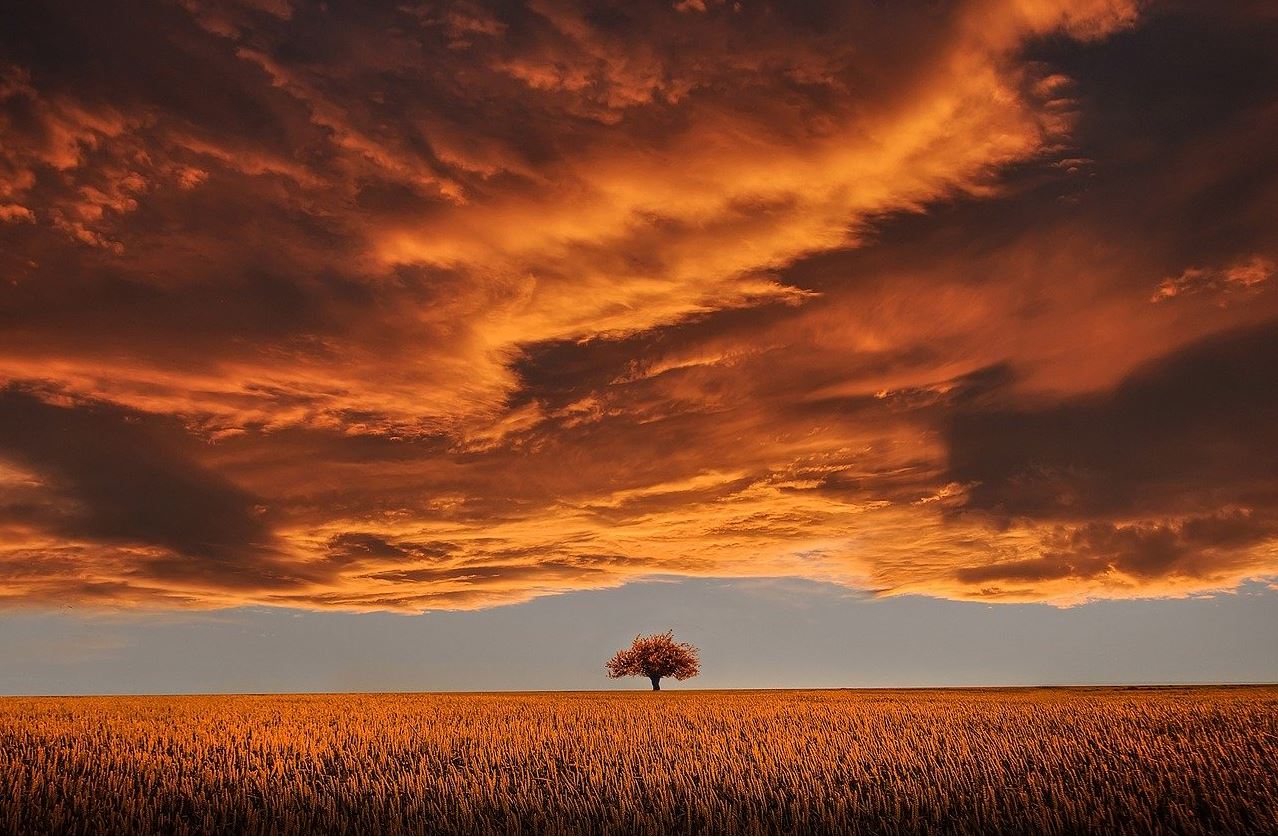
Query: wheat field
column 950, row 761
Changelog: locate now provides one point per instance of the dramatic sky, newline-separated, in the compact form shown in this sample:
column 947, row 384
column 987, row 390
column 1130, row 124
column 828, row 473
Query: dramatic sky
column 429, row 306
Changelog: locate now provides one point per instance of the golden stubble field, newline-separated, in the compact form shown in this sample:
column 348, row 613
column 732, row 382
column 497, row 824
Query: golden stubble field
column 1018, row 760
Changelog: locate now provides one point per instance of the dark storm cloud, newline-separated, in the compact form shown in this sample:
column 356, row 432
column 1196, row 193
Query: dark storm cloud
column 1193, row 548
column 114, row 476
column 1185, row 446
column 1191, row 431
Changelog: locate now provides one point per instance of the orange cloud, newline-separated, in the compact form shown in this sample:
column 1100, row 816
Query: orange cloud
column 1241, row 277
column 452, row 306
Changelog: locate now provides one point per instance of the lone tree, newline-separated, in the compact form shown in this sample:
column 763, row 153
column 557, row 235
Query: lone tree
column 655, row 657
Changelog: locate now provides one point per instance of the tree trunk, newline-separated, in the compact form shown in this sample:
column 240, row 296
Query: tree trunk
column 656, row 682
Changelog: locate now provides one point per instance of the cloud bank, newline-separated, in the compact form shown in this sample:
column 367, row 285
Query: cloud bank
column 448, row 305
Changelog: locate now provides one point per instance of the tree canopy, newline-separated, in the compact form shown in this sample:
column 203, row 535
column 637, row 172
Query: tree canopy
column 656, row 656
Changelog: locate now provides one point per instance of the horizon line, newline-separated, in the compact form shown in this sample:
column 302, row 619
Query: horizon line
column 963, row 688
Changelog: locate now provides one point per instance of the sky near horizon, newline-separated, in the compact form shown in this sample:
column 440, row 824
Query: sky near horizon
column 752, row 634
column 379, row 316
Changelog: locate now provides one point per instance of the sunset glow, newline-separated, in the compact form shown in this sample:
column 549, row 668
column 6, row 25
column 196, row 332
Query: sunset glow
column 437, row 307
